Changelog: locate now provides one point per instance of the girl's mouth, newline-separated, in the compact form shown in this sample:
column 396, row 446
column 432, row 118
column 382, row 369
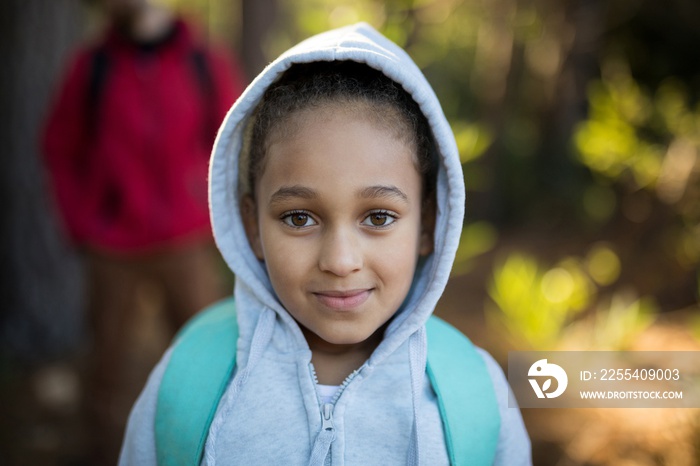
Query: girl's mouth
column 343, row 300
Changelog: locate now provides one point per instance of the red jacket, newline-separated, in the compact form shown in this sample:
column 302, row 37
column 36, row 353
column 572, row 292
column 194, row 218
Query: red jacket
column 134, row 178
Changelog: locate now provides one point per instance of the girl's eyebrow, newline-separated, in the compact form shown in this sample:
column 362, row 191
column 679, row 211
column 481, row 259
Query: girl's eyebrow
column 371, row 192
column 289, row 192
column 380, row 191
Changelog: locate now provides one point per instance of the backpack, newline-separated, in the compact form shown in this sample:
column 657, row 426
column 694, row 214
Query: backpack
column 202, row 363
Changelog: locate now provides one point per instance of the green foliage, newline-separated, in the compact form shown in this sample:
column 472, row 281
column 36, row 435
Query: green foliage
column 472, row 140
column 602, row 264
column 543, row 308
column 616, row 326
column 535, row 304
column 610, row 142
column 629, row 130
column 477, row 239
column 636, row 139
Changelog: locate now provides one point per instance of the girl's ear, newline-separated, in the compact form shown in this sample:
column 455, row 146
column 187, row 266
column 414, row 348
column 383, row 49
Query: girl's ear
column 249, row 214
column 427, row 234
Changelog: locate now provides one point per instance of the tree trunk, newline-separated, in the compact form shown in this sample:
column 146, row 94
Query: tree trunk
column 40, row 280
column 259, row 17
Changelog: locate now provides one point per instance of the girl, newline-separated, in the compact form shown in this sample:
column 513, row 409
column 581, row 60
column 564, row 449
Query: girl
column 337, row 199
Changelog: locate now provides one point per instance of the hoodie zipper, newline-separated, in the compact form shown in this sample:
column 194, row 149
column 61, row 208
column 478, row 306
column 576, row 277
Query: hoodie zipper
column 322, row 445
column 327, row 417
column 327, row 431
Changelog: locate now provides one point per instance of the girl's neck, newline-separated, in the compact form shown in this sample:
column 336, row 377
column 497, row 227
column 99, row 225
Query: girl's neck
column 334, row 363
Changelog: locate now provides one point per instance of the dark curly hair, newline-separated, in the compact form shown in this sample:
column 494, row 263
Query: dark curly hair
column 313, row 85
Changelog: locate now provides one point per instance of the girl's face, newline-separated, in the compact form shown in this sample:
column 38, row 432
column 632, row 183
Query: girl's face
column 339, row 222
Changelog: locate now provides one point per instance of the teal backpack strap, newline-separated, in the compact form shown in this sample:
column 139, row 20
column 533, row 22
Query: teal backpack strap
column 200, row 367
column 465, row 393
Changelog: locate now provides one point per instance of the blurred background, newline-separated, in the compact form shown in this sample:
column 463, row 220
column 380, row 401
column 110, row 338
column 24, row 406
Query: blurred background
column 578, row 124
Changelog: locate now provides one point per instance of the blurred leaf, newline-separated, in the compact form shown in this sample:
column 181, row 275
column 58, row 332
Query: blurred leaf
column 477, row 238
column 472, row 140
column 523, row 293
column 602, row 264
column 618, row 325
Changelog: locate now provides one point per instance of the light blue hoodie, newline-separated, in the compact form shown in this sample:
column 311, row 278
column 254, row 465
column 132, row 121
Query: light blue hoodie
column 386, row 412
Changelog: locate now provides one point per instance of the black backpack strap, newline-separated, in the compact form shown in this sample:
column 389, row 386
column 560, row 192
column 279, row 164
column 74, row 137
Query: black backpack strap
column 205, row 79
column 99, row 69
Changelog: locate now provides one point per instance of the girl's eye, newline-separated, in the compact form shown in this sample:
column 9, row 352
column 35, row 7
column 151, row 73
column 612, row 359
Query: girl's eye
column 379, row 219
column 298, row 220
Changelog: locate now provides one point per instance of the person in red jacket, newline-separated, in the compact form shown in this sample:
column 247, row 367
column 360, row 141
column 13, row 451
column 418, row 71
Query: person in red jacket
column 127, row 145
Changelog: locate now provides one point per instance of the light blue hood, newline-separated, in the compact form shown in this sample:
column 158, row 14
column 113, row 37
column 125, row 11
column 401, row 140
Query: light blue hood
column 360, row 43
column 386, row 412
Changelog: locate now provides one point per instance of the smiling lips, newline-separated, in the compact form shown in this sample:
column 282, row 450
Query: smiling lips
column 343, row 300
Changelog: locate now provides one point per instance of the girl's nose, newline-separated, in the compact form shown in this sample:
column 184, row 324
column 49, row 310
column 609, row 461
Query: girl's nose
column 340, row 254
